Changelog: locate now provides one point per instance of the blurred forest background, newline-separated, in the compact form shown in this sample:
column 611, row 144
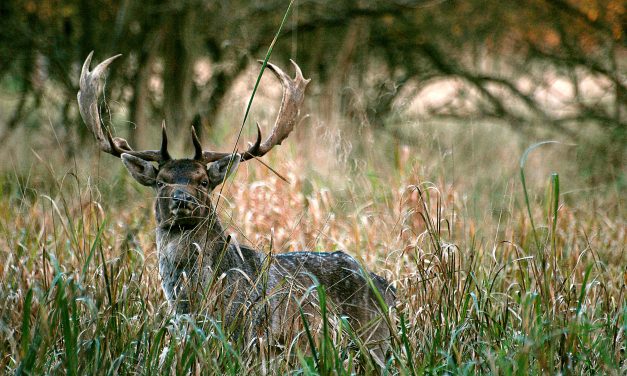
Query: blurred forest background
column 544, row 68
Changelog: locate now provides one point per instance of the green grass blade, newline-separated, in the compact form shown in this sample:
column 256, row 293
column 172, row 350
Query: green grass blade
column 310, row 339
column 523, row 160
column 555, row 184
column 407, row 345
column 69, row 339
column 252, row 95
column 25, row 340
column 92, row 249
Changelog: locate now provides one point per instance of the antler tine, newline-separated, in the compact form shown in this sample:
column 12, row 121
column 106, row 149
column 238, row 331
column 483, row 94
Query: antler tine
column 90, row 87
column 293, row 97
column 198, row 155
column 253, row 149
column 165, row 156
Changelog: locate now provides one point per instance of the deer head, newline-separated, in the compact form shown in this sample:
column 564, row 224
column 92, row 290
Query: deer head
column 183, row 185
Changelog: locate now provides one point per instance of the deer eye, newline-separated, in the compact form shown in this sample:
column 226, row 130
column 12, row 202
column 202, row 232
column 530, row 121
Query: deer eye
column 160, row 184
column 204, row 183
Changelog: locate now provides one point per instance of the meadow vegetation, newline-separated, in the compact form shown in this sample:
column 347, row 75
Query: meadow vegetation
column 491, row 277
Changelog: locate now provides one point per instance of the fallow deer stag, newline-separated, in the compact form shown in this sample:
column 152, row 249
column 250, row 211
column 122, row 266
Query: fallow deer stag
column 260, row 295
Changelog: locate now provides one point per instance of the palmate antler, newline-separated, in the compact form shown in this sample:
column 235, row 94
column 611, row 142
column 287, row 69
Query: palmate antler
column 91, row 87
column 293, row 97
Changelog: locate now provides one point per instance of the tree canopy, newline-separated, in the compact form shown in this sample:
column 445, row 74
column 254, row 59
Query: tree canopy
column 554, row 64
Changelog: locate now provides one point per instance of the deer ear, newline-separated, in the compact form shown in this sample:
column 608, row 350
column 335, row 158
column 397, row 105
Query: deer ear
column 222, row 168
column 142, row 171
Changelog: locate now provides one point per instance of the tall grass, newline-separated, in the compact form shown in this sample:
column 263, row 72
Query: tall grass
column 495, row 277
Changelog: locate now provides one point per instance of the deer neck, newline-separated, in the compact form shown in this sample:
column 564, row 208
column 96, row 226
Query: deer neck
column 190, row 241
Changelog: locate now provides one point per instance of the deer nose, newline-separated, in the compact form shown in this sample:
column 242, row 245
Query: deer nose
column 181, row 198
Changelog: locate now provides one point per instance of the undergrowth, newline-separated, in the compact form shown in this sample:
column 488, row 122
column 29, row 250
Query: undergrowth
column 539, row 289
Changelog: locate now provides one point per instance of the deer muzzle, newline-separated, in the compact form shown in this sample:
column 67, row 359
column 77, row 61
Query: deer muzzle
column 182, row 202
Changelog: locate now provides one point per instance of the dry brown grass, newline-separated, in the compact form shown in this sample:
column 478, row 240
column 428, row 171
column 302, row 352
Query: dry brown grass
column 444, row 220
